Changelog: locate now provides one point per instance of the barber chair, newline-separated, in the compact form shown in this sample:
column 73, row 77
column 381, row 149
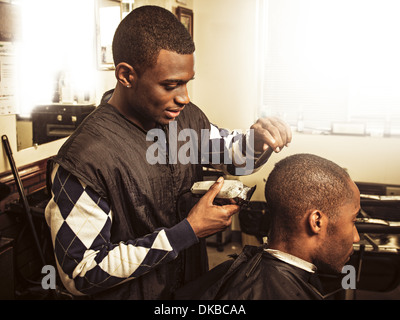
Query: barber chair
column 377, row 256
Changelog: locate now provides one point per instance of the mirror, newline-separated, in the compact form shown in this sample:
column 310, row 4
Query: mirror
column 109, row 14
column 58, row 66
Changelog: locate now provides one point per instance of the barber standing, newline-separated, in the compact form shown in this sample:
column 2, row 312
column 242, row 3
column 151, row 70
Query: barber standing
column 116, row 227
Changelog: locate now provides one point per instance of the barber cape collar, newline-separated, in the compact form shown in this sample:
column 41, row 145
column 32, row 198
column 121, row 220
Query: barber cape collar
column 292, row 260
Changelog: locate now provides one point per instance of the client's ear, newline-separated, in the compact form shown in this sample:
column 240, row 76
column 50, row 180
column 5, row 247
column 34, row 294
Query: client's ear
column 316, row 221
column 125, row 74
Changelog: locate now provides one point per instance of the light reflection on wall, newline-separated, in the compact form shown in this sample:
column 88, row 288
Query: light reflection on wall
column 58, row 38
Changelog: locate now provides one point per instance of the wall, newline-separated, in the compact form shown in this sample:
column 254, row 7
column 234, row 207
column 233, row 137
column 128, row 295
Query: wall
column 367, row 159
column 226, row 89
column 225, row 86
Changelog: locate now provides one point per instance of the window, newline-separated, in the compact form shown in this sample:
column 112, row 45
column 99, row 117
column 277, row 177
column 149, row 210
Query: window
column 332, row 65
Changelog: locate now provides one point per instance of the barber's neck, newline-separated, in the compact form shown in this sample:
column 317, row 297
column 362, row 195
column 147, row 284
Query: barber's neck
column 120, row 101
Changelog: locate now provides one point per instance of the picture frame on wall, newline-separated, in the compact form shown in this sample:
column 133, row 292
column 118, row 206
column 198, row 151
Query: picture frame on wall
column 185, row 16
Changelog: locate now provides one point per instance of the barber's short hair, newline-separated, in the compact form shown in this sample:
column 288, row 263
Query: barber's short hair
column 300, row 183
column 144, row 32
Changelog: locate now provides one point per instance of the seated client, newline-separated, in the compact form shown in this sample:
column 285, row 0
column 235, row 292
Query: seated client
column 313, row 205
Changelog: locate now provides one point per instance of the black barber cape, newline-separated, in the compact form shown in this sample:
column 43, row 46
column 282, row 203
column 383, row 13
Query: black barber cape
column 109, row 153
column 254, row 275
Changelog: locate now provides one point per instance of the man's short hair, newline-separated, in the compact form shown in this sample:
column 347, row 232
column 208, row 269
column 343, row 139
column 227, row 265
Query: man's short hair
column 300, row 183
column 144, row 32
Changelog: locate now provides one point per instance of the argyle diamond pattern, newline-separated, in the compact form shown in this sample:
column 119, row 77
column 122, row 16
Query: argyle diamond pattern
column 80, row 222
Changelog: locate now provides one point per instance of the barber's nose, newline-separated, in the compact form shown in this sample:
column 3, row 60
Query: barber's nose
column 182, row 97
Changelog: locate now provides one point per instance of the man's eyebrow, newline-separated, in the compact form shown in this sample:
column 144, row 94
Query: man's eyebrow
column 176, row 80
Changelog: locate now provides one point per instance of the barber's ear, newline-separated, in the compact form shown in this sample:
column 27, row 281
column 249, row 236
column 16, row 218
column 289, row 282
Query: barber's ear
column 316, row 221
column 125, row 74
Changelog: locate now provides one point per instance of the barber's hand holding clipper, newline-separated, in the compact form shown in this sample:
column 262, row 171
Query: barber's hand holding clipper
column 206, row 218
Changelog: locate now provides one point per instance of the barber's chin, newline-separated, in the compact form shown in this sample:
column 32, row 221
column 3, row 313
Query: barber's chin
column 165, row 121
